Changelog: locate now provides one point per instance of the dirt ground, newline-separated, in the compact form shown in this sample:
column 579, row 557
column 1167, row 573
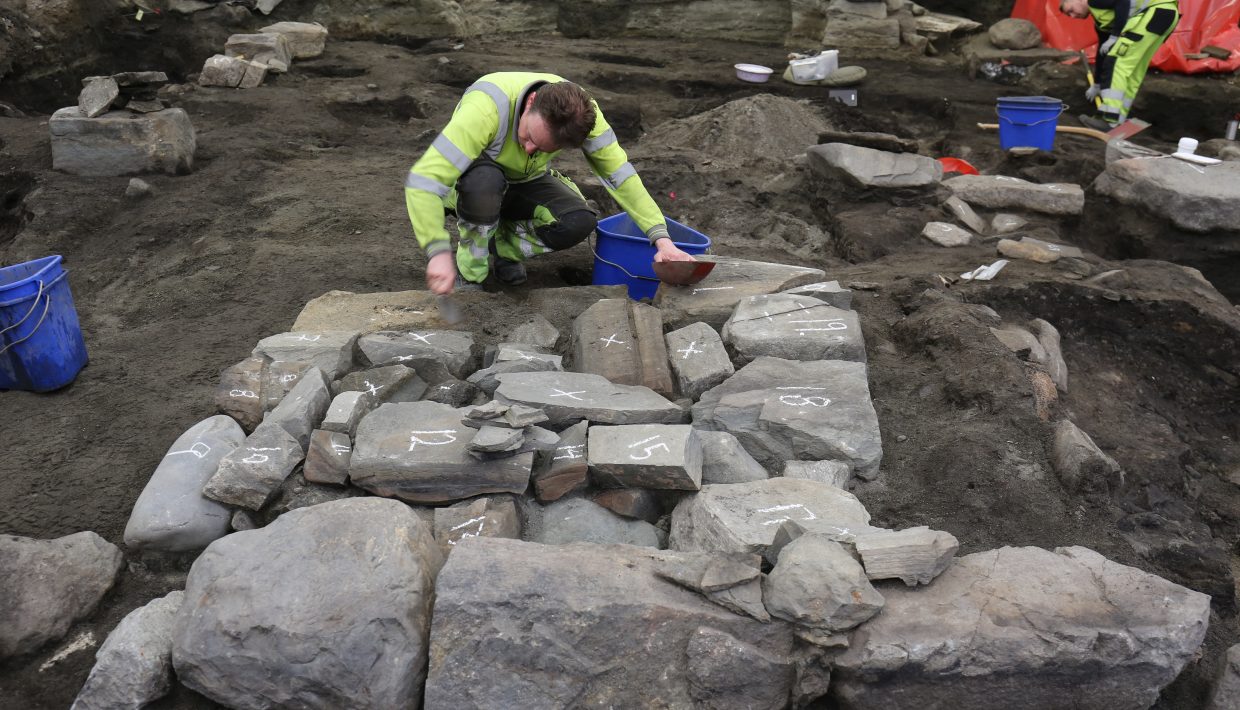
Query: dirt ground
column 297, row 191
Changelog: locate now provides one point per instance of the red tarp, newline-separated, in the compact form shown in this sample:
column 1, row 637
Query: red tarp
column 1203, row 22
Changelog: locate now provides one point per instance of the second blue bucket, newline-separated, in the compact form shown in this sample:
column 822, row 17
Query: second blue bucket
column 623, row 255
column 1028, row 121
column 41, row 345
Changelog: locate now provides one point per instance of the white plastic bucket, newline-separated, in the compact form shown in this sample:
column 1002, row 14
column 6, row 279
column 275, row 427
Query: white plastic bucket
column 806, row 69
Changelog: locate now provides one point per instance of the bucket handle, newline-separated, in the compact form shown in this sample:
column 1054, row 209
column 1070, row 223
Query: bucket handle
column 47, row 304
column 1062, row 108
column 612, row 263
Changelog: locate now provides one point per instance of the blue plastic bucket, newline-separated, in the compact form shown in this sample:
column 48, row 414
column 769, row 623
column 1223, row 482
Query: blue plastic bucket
column 623, row 254
column 1028, row 121
column 41, row 346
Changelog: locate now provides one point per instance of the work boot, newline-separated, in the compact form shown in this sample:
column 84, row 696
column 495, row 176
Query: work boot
column 511, row 273
column 463, row 285
column 1096, row 122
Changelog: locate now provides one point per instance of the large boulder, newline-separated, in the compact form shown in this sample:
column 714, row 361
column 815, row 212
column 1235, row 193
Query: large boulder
column 1015, row 33
column 49, row 585
column 1194, row 198
column 522, row 625
column 134, row 665
column 122, row 142
column 867, row 167
column 1002, row 191
column 1024, row 629
column 326, row 607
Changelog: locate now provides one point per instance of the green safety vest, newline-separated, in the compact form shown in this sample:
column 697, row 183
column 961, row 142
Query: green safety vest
column 1104, row 18
column 485, row 123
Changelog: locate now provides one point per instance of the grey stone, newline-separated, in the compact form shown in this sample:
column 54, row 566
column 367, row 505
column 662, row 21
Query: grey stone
column 914, row 556
column 569, row 397
column 243, row 520
column 1120, row 149
column 635, row 503
column 452, row 392
column 816, row 583
column 450, row 348
column 346, row 410
column 829, row 292
column 1048, row 338
column 171, row 514
column 1020, row 341
column 793, row 328
column 138, row 106
column 301, row 410
column 1080, row 465
column 946, row 235
column 1193, row 198
column 271, row 49
column 266, row 6
column 97, row 95
column 331, row 351
column 487, row 379
column 512, row 608
column 1015, row 33
column 563, row 469
column 122, row 143
column 297, row 492
column 327, row 607
column 645, row 456
column 873, row 10
column 140, row 79
column 519, row 351
column 493, row 439
column 866, row 139
column 835, row 473
column 733, row 582
column 327, row 459
column 1001, row 191
column 232, row 72
column 1226, row 692
column 744, row 517
column 249, row 475
column 133, row 667
column 137, row 189
column 782, row 410
column 732, row 279
column 537, row 331
column 418, row 452
column 1030, row 251
column 869, row 168
column 963, row 212
column 488, row 516
column 279, row 378
column 724, row 460
column 1007, row 223
column 394, row 383
column 305, row 40
column 579, row 520
column 511, row 416
column 698, row 359
column 1024, row 629
column 49, row 585
column 623, row 342
column 857, row 31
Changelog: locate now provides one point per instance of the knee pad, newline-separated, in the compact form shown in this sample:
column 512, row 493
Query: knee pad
column 571, row 229
column 480, row 193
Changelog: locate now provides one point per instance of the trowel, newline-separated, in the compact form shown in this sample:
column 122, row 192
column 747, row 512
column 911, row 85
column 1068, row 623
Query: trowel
column 682, row 273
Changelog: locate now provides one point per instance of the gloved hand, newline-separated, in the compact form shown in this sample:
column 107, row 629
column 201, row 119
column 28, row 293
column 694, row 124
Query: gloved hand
column 1106, row 46
column 1093, row 92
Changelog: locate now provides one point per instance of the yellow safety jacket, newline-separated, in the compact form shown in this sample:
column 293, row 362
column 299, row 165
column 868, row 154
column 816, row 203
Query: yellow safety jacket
column 485, row 122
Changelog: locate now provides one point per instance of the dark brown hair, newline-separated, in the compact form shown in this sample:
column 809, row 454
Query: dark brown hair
column 568, row 111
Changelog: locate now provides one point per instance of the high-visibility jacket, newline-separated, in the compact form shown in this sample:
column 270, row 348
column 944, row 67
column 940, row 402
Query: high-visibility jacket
column 485, row 123
column 1110, row 16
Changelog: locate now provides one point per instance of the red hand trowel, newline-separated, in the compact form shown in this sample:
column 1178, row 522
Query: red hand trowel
column 682, row 273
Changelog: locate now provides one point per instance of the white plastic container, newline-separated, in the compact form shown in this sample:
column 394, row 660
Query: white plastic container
column 807, row 69
column 753, row 73
column 828, row 62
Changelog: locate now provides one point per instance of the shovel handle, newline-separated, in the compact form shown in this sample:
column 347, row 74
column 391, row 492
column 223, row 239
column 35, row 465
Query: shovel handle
column 1076, row 130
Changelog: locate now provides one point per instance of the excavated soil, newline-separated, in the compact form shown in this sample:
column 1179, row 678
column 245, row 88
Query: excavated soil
column 297, row 191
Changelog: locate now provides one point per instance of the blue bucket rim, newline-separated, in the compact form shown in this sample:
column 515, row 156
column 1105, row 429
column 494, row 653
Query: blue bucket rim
column 604, row 230
column 53, row 261
column 1030, row 100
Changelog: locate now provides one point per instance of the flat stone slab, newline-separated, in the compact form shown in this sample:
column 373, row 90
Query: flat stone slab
column 1192, row 197
column 579, row 520
column 664, row 456
column 171, row 514
column 870, row 168
column 829, row 292
column 783, row 410
column 712, row 300
column 744, row 517
column 569, row 397
column 520, row 351
column 305, row 39
column 419, row 349
column 536, row 331
column 914, row 555
column 331, row 351
column 963, row 212
column 793, row 328
column 699, row 360
column 239, row 394
column 724, row 460
column 487, row 379
column 1001, row 191
column 493, row 439
column 122, row 142
column 1024, row 629
column 946, row 234
column 271, row 49
column 250, row 475
column 419, row 452
column 623, row 342
column 327, row 459
column 488, row 516
column 393, row 383
column 565, row 468
column 97, row 95
column 346, row 411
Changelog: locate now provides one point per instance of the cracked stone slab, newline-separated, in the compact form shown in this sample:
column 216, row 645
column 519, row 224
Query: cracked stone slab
column 569, row 397
column 732, row 279
column 870, row 168
column 487, row 379
column 394, row 383
column 663, row 456
column 519, row 351
column 422, row 349
column 698, row 358
column 623, row 342
column 1002, row 191
column 329, row 350
column 267, row 48
column 793, row 328
column 250, row 475
column 829, row 292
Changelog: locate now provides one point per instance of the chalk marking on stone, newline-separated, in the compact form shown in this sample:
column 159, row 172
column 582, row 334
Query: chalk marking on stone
column 611, row 340
column 656, row 437
column 811, row 401
column 247, row 394
column 445, row 387
column 649, row 450
column 341, row 448
column 781, row 508
column 256, row 459
column 570, row 395
column 467, row 523
column 403, row 358
column 690, row 350
column 801, row 388
column 712, row 288
column 372, row 389
column 287, row 377
column 83, row 641
column 309, row 338
column 421, row 338
column 573, row 451
column 199, row 450
column 414, row 440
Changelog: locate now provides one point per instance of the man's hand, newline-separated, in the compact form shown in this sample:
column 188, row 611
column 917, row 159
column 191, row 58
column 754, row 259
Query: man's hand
column 667, row 251
column 441, row 273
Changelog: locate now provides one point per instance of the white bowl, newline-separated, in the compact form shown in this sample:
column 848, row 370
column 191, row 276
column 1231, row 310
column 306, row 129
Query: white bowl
column 753, row 73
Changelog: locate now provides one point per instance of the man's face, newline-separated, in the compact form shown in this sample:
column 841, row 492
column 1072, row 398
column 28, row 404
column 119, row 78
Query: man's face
column 533, row 134
column 1078, row 9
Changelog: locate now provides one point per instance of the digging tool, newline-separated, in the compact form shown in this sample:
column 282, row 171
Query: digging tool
column 1125, row 130
column 449, row 309
column 1089, row 76
column 682, row 273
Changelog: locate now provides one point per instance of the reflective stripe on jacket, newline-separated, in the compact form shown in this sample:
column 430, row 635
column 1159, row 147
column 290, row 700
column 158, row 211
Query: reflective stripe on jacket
column 485, row 122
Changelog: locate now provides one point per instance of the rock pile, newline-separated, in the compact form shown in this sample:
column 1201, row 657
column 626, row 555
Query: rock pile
column 866, row 24
column 248, row 58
